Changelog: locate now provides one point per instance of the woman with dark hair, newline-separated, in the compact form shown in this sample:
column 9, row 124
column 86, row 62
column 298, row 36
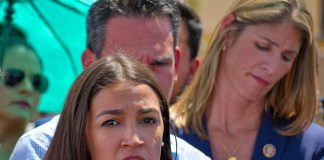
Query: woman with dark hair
column 21, row 85
column 114, row 110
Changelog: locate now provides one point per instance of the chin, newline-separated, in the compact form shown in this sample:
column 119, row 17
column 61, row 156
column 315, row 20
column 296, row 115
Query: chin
column 21, row 118
column 16, row 121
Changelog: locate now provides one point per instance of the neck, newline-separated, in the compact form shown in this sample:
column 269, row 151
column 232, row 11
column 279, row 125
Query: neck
column 232, row 114
column 10, row 131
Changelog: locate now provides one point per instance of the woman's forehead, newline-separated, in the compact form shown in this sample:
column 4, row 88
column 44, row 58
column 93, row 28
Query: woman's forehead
column 20, row 57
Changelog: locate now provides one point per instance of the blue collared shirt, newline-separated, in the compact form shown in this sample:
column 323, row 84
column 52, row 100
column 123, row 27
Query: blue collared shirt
column 308, row 145
column 33, row 145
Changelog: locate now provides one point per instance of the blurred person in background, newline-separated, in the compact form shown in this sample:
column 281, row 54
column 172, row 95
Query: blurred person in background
column 189, row 42
column 254, row 94
column 320, row 114
column 21, row 85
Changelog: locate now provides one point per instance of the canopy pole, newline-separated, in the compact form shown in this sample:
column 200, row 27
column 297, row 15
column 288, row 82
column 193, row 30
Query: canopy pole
column 6, row 29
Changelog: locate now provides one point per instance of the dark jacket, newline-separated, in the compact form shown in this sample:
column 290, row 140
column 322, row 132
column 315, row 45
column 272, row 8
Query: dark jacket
column 308, row 145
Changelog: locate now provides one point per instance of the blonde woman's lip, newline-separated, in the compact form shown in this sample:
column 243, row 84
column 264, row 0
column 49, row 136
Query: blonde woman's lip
column 260, row 80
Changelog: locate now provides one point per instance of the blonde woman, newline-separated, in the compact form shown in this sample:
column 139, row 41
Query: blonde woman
column 254, row 96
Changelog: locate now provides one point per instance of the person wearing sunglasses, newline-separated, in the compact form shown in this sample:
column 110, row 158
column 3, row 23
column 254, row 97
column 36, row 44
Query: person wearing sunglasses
column 21, row 85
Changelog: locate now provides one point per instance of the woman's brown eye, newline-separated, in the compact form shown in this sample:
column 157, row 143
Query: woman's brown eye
column 149, row 121
column 110, row 123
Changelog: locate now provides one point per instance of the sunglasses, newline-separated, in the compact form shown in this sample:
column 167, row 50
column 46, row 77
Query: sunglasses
column 14, row 76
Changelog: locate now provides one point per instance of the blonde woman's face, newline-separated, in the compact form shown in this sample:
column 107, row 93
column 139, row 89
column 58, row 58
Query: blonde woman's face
column 259, row 57
column 125, row 122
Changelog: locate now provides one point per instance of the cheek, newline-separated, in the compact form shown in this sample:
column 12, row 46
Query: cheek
column 99, row 141
column 165, row 81
column 6, row 95
column 283, row 71
column 152, row 134
column 164, row 78
column 184, row 68
column 159, row 133
column 36, row 98
column 154, row 143
column 102, row 144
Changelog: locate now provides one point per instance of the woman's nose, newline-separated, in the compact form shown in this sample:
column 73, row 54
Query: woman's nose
column 272, row 65
column 131, row 137
column 26, row 87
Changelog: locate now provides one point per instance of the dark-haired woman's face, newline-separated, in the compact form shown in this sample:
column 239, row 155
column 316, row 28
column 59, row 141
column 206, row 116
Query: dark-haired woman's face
column 18, row 97
column 125, row 122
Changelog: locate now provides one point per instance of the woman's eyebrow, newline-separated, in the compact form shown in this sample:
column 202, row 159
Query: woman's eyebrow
column 111, row 111
column 147, row 110
column 269, row 40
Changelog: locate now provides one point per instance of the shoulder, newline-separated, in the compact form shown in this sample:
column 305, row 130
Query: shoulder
column 309, row 143
column 34, row 144
column 313, row 139
column 184, row 150
column 43, row 133
column 313, row 136
column 314, row 132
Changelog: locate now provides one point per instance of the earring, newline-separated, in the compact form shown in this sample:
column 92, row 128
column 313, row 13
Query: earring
column 224, row 48
column 162, row 144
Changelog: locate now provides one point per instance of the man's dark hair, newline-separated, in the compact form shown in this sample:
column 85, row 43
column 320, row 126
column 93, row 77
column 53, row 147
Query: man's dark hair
column 103, row 10
column 194, row 27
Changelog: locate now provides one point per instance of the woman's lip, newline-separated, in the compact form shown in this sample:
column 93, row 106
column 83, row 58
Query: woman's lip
column 260, row 80
column 134, row 158
column 22, row 104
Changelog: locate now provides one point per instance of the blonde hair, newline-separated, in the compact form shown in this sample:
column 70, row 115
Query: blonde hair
column 293, row 97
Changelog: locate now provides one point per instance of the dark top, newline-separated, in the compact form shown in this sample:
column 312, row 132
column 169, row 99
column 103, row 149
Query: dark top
column 308, row 145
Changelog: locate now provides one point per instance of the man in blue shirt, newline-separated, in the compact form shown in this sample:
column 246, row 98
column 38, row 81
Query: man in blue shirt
column 148, row 31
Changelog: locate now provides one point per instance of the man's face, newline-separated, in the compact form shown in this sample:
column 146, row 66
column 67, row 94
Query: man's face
column 149, row 40
column 184, row 69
